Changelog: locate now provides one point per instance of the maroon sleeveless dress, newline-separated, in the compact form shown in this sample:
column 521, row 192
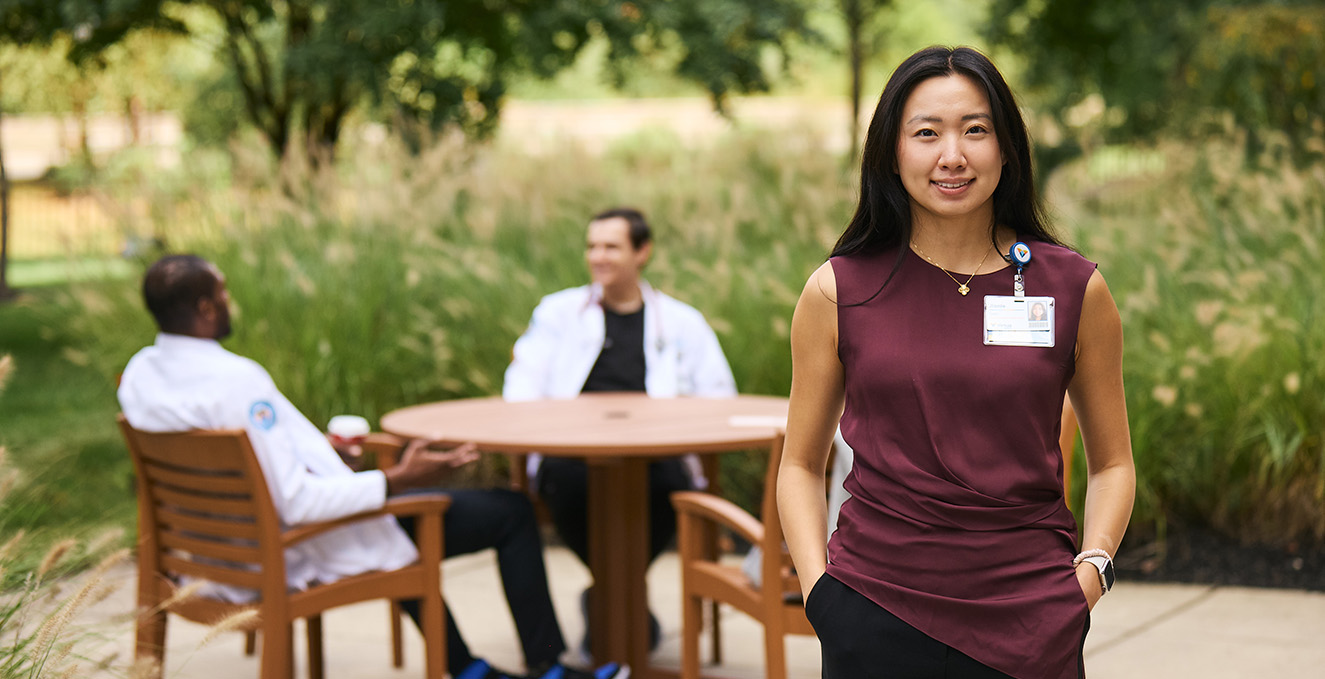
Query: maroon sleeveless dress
column 957, row 523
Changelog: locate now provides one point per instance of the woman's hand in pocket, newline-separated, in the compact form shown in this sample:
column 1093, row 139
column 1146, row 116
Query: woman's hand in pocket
column 1089, row 579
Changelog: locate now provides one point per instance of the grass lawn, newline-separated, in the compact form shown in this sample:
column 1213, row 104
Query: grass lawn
column 57, row 421
column 26, row 273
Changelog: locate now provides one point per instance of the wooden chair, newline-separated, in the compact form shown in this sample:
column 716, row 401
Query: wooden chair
column 384, row 451
column 776, row 603
column 204, row 511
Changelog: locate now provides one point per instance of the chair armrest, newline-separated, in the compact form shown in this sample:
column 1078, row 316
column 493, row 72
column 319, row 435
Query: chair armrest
column 408, row 505
column 692, row 505
column 385, row 448
column 417, row 504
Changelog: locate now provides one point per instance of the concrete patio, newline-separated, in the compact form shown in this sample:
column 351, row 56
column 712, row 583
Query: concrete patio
column 1140, row 631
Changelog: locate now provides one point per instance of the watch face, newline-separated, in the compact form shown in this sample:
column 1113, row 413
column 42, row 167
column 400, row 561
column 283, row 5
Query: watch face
column 1108, row 575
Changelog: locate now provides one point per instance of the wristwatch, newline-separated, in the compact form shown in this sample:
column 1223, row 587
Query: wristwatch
column 1105, row 566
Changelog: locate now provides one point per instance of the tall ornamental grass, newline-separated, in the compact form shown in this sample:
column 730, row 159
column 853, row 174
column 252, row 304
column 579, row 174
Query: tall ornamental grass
column 399, row 279
column 1217, row 269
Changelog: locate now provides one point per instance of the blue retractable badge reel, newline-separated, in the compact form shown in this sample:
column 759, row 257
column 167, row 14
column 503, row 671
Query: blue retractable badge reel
column 1020, row 253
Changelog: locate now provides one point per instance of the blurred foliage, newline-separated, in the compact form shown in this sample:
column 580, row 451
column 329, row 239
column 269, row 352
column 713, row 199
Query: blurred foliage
column 91, row 25
column 303, row 66
column 1215, row 270
column 1163, row 67
column 722, row 41
column 1265, row 66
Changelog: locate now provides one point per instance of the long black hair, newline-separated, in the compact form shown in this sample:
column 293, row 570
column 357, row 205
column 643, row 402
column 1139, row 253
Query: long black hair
column 883, row 217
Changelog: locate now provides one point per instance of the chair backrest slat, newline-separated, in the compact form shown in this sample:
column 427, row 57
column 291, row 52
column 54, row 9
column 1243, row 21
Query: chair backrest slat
column 210, row 549
column 196, row 452
column 215, row 483
column 213, row 572
column 168, row 520
column 234, row 508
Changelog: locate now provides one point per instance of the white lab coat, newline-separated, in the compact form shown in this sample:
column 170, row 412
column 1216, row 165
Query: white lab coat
column 182, row 383
column 553, row 358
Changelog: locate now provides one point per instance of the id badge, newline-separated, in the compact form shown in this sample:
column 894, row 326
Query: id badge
column 1019, row 321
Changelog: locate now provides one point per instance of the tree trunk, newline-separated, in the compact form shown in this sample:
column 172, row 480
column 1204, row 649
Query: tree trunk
column 5, row 291
column 854, row 19
column 133, row 108
column 80, row 99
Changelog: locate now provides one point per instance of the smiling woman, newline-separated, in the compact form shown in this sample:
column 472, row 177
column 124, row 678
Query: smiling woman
column 954, row 554
column 948, row 157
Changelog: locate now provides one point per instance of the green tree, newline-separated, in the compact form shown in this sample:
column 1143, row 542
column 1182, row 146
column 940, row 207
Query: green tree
column 1264, row 66
column 304, row 65
column 87, row 28
column 722, row 42
column 1165, row 66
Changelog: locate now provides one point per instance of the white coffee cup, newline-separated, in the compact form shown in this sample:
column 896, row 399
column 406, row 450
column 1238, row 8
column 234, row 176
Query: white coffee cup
column 348, row 430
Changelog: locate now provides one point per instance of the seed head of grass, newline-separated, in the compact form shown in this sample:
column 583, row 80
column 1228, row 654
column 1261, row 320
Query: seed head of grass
column 57, row 622
column 244, row 619
column 6, row 369
column 54, row 555
column 182, row 594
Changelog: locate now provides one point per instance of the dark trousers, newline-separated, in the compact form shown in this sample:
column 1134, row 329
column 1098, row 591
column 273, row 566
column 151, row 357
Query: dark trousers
column 501, row 520
column 862, row 639
column 563, row 483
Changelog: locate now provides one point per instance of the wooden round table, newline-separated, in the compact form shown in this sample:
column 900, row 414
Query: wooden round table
column 617, row 435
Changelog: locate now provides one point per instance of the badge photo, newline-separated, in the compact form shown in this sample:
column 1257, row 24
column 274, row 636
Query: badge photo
column 1019, row 321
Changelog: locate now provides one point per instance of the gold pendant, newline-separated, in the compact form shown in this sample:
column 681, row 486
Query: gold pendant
column 963, row 289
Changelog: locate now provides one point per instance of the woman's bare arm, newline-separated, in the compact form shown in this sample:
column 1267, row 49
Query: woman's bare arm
column 816, row 406
column 1097, row 395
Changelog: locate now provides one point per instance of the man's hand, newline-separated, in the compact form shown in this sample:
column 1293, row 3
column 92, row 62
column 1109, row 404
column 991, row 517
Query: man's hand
column 420, row 467
column 351, row 454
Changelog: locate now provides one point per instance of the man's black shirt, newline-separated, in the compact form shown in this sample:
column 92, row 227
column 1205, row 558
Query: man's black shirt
column 620, row 366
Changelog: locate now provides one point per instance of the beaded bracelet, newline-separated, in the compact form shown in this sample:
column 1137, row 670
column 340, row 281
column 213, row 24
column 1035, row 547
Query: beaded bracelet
column 1090, row 552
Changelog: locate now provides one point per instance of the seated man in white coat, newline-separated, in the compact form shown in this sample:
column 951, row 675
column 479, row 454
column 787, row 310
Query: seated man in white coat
column 615, row 334
column 186, row 380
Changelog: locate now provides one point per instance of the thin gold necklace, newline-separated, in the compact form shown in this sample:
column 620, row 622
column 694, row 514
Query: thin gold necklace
column 963, row 288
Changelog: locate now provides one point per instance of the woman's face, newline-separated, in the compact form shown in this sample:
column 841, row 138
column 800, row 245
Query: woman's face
column 947, row 154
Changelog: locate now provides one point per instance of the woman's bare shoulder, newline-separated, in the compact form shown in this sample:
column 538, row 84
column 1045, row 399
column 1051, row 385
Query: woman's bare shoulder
column 822, row 285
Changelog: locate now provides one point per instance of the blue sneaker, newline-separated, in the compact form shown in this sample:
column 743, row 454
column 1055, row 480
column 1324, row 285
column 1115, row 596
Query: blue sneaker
column 480, row 669
column 609, row 671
